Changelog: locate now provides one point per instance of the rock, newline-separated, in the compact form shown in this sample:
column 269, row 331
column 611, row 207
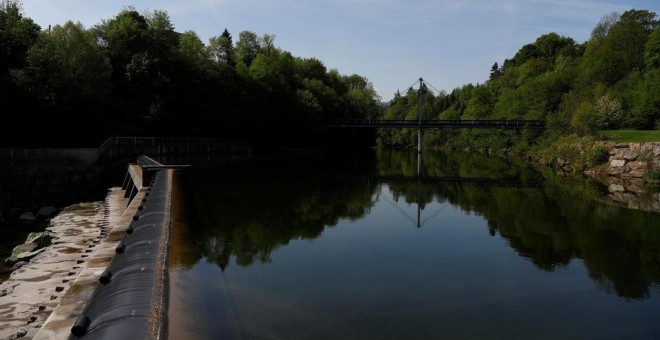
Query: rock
column 42, row 239
column 18, row 265
column 21, row 333
column 631, row 155
column 656, row 149
column 561, row 161
column 46, row 211
column 26, row 256
column 639, row 173
column 615, row 180
column 616, row 188
column 617, row 163
column 27, row 216
column 19, row 249
column 636, row 165
column 615, row 171
column 634, row 188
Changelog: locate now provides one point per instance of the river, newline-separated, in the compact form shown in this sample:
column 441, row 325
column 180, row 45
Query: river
column 379, row 245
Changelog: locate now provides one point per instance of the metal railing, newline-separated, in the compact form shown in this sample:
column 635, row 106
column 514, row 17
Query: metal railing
column 438, row 124
column 66, row 160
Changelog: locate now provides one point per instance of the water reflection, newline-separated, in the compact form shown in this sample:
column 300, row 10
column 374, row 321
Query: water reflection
column 244, row 213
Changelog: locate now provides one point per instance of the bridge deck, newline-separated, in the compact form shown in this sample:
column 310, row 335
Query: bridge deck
column 436, row 124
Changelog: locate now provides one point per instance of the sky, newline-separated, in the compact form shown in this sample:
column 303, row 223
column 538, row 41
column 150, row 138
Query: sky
column 392, row 43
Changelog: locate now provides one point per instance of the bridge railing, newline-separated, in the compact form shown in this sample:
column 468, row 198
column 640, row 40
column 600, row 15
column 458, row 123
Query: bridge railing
column 433, row 123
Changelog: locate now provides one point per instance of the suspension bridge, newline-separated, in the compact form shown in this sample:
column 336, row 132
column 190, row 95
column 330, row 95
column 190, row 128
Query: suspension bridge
column 420, row 124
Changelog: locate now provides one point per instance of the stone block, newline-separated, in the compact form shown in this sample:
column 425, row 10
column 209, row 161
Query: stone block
column 617, row 163
column 616, row 188
column 631, row 155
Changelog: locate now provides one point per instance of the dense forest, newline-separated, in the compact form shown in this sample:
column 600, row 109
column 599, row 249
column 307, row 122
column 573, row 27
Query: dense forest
column 135, row 75
column 611, row 81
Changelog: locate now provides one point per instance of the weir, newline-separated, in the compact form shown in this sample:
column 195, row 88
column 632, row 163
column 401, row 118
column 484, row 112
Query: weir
column 122, row 292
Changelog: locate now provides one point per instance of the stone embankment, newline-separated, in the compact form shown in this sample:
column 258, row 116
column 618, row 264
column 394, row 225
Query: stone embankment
column 629, row 171
column 633, row 160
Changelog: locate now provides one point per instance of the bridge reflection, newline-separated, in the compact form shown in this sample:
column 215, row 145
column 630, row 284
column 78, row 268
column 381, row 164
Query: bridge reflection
column 476, row 181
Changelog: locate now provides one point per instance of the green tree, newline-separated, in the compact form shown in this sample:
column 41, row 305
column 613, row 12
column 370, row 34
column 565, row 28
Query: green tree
column 652, row 51
column 247, row 47
column 67, row 73
column 221, row 49
column 622, row 50
column 267, row 43
column 192, row 49
column 495, row 72
column 17, row 34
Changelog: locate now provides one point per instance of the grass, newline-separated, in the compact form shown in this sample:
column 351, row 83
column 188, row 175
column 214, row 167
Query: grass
column 634, row 136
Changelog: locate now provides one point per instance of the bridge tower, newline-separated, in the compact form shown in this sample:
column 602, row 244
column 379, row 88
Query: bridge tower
column 421, row 113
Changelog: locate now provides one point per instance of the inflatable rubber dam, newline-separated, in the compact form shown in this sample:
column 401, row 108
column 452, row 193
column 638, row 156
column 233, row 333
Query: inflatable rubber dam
column 122, row 293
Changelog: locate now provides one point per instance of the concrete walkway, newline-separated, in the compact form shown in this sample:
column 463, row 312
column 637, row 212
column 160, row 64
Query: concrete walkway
column 43, row 299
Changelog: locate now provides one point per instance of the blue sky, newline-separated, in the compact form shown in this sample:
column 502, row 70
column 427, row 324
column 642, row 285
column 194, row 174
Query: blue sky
column 391, row 42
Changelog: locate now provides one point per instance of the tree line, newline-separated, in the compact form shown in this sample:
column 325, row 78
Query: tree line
column 611, row 81
column 134, row 74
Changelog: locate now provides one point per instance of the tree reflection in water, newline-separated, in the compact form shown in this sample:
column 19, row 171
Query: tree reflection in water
column 246, row 212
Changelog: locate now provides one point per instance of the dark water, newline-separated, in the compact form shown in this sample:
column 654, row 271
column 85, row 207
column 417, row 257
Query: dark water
column 363, row 248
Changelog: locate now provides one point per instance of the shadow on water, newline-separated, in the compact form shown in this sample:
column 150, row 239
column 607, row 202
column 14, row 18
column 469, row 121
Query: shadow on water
column 244, row 213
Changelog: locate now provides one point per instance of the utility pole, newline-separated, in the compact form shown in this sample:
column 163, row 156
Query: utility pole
column 421, row 112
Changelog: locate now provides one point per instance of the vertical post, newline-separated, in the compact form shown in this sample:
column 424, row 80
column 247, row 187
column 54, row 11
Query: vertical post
column 421, row 107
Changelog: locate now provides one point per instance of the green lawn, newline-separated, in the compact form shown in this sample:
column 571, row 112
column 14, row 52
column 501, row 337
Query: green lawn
column 635, row 136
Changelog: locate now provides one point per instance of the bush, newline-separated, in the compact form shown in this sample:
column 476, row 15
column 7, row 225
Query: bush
column 580, row 152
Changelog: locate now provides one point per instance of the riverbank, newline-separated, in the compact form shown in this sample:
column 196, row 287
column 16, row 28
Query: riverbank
column 629, row 172
column 33, row 291
column 43, row 299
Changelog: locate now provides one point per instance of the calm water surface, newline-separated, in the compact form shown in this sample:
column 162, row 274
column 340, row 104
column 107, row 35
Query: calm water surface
column 363, row 247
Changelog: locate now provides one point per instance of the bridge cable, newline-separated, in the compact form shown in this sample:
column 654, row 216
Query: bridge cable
column 411, row 85
column 436, row 90
column 399, row 209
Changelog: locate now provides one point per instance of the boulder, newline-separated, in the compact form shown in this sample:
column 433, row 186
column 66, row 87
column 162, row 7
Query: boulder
column 631, row 155
column 34, row 244
column 19, row 249
column 639, row 173
column 27, row 216
column 46, row 211
column 636, row 165
column 617, row 163
column 42, row 239
column 615, row 171
column 26, row 256
column 617, row 188
column 634, row 188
